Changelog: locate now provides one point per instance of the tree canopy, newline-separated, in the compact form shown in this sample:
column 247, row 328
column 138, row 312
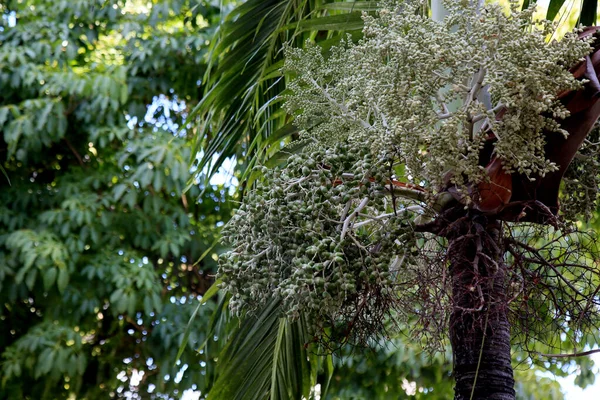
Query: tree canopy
column 100, row 247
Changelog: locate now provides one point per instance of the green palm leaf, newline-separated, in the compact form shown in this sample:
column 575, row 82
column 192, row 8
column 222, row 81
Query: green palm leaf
column 353, row 6
column 587, row 16
column 4, row 173
column 589, row 12
column 266, row 358
column 553, row 8
column 241, row 103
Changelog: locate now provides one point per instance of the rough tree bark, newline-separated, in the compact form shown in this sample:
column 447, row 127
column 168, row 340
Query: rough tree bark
column 479, row 327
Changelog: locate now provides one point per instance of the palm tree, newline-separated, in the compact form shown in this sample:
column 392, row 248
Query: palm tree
column 266, row 356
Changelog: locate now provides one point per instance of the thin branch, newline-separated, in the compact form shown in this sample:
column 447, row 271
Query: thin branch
column 74, row 151
column 581, row 354
column 352, row 216
column 476, row 88
column 408, row 193
column 371, row 219
column 345, row 211
column 587, row 305
column 377, row 218
column 542, row 260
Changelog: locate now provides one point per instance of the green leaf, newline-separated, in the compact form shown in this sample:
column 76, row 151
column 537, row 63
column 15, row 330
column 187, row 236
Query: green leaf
column 45, row 362
column 63, row 280
column 554, row 8
column 242, row 55
column 131, row 303
column 122, row 303
column 328, row 370
column 20, row 275
column 72, row 365
column 118, row 191
column 156, row 302
column 187, row 333
column 81, row 364
column 30, row 280
column 343, row 22
column 247, row 361
column 174, row 249
column 527, row 3
column 5, row 174
column 206, row 252
column 60, row 361
column 214, row 289
column 50, row 277
column 157, row 181
column 275, row 390
column 29, row 259
column 353, row 6
column 164, row 248
column 589, row 11
column 124, row 94
column 130, row 199
column 116, row 296
column 3, row 115
column 148, row 305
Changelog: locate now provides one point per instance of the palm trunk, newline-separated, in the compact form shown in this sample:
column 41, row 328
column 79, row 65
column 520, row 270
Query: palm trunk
column 479, row 327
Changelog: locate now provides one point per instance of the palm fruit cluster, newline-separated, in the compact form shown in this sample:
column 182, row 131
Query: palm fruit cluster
column 291, row 240
column 431, row 90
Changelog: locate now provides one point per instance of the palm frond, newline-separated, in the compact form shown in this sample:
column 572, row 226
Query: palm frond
column 4, row 173
column 266, row 358
column 241, row 106
column 214, row 289
column 587, row 16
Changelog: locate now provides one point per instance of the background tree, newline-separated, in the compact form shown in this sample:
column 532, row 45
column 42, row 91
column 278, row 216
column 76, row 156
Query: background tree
column 101, row 251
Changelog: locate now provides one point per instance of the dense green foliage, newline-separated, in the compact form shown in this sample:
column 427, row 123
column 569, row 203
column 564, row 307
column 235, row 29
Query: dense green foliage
column 399, row 368
column 98, row 243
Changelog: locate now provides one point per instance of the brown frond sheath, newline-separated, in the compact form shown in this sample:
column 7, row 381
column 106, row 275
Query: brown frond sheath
column 491, row 195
